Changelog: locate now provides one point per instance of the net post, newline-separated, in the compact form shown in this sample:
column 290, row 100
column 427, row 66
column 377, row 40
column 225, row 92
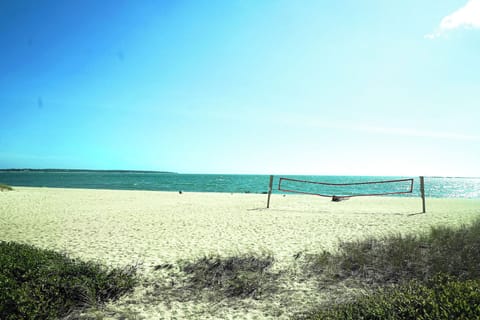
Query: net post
column 269, row 191
column 422, row 193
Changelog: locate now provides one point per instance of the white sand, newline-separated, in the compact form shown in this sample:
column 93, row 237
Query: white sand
column 119, row 228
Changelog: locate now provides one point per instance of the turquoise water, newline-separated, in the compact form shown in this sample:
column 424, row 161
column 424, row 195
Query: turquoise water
column 434, row 186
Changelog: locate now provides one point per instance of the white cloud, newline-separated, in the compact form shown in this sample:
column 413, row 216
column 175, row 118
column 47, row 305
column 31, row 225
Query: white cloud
column 467, row 17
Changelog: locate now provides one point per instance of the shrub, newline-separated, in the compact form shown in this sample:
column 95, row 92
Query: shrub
column 43, row 284
column 435, row 276
column 4, row 187
column 442, row 297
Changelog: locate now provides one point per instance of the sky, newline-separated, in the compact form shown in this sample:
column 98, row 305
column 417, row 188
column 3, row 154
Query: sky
column 242, row 86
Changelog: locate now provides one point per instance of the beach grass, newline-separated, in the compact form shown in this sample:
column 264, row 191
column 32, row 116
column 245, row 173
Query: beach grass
column 428, row 276
column 4, row 187
column 43, row 284
column 442, row 297
column 396, row 258
column 241, row 276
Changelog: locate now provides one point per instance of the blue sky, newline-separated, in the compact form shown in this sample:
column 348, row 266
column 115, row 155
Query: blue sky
column 242, row 86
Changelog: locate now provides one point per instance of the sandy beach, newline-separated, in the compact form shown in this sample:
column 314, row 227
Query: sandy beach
column 120, row 228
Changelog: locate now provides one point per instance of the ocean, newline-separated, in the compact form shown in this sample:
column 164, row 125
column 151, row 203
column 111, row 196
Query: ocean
column 437, row 187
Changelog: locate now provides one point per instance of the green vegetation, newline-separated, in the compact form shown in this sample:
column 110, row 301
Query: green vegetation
column 399, row 258
column 4, row 187
column 441, row 297
column 436, row 276
column 43, row 284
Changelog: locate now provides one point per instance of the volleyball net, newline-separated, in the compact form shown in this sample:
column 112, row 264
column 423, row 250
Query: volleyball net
column 346, row 190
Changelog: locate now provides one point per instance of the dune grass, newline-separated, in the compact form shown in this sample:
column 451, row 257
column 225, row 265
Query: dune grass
column 4, row 187
column 441, row 297
column 431, row 276
column 214, row 278
column 235, row 276
column 44, row 284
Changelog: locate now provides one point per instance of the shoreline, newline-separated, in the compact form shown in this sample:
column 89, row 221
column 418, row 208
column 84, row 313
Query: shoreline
column 263, row 193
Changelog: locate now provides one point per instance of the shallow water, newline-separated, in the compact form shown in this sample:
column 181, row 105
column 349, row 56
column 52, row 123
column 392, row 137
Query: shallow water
column 436, row 187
